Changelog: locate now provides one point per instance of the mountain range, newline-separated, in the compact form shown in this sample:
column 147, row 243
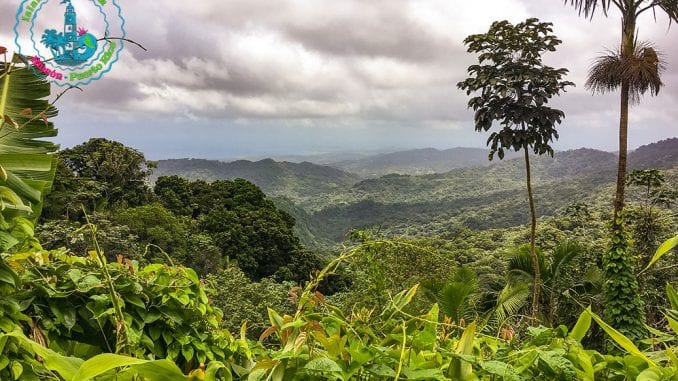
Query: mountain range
column 418, row 162
column 298, row 181
column 329, row 201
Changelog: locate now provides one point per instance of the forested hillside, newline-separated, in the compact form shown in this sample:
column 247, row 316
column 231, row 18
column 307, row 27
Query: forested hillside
column 416, row 162
column 327, row 203
column 296, row 180
column 663, row 154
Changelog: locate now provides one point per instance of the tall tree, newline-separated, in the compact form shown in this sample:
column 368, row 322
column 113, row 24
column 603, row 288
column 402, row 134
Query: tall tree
column 175, row 194
column 514, row 88
column 122, row 171
column 635, row 69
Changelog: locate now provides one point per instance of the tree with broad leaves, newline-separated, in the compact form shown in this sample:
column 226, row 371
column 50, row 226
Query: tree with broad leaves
column 123, row 171
column 634, row 68
column 513, row 87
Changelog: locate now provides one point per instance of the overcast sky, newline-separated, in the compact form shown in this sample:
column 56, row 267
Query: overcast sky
column 236, row 78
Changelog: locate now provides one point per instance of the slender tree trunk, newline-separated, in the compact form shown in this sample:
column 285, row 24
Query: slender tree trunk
column 627, row 47
column 624, row 307
column 623, row 148
column 533, row 233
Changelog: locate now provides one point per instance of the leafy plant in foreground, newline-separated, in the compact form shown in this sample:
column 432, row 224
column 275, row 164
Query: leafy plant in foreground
column 26, row 173
column 165, row 310
column 26, row 166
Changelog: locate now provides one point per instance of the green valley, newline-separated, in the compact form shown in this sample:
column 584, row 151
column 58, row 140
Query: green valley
column 479, row 197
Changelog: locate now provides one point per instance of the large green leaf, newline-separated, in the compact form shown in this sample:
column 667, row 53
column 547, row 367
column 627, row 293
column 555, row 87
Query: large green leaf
column 213, row 368
column 619, row 338
column 158, row 370
column 65, row 366
column 75, row 369
column 663, row 249
column 582, row 327
column 149, row 370
column 460, row 369
column 26, row 164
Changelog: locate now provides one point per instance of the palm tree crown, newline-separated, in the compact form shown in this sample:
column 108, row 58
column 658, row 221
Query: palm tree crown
column 641, row 69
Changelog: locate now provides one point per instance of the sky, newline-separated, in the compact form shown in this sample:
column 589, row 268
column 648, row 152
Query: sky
column 243, row 78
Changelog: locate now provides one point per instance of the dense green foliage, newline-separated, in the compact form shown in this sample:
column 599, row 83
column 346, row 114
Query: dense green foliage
column 97, row 174
column 192, row 280
column 650, row 218
column 198, row 224
column 166, row 309
column 242, row 300
column 623, row 306
column 241, row 222
column 319, row 340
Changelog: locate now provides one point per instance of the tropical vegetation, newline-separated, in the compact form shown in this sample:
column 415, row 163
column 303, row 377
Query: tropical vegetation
column 107, row 275
column 634, row 68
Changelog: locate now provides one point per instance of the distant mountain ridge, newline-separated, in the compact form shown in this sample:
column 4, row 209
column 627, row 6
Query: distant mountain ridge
column 662, row 154
column 418, row 161
column 327, row 202
column 295, row 180
column 483, row 197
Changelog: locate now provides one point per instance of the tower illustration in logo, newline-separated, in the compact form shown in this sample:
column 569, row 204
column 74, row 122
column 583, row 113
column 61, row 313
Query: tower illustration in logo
column 70, row 56
column 74, row 46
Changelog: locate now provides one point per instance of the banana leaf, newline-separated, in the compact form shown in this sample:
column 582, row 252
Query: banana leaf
column 27, row 163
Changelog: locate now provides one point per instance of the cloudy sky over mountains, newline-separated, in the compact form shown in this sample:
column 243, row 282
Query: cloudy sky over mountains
column 231, row 78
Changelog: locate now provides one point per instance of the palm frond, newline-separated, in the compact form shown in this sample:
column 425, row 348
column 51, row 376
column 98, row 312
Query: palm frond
column 605, row 75
column 520, row 263
column 511, row 300
column 430, row 289
column 564, row 253
column 588, row 287
column 588, row 7
column 459, row 294
column 465, row 274
column 641, row 69
column 670, row 7
column 594, row 277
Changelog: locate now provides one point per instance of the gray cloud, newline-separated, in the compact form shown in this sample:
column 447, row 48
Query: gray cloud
column 341, row 63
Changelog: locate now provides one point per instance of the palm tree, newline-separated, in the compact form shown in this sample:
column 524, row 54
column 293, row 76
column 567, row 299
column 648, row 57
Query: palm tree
column 635, row 69
column 557, row 278
column 462, row 299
